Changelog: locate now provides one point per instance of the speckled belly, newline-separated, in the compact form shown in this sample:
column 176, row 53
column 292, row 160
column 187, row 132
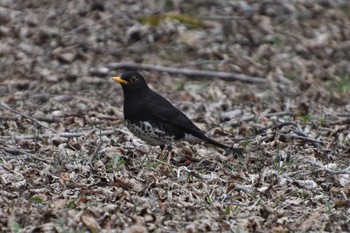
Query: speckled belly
column 150, row 134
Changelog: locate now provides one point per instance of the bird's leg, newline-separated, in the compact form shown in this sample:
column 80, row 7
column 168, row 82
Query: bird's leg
column 169, row 148
column 164, row 148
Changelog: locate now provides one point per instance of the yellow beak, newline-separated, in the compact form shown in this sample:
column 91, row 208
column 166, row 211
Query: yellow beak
column 120, row 80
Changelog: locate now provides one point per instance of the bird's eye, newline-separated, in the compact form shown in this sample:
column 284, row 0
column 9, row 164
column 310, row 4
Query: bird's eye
column 133, row 79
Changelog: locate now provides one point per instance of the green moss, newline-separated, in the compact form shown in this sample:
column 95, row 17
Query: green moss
column 278, row 159
column 70, row 204
column 116, row 163
column 304, row 194
column 37, row 200
column 343, row 84
column 168, row 5
column 278, row 40
column 292, row 75
column 305, row 118
column 227, row 211
column 180, row 86
column 15, row 227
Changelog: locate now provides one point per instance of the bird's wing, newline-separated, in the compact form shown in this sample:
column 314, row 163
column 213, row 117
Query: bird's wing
column 166, row 112
column 178, row 119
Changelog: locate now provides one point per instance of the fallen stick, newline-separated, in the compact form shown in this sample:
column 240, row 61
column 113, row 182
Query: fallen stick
column 244, row 188
column 298, row 172
column 187, row 72
column 320, row 165
column 20, row 154
column 284, row 113
column 305, row 138
column 63, row 135
column 28, row 117
column 313, row 141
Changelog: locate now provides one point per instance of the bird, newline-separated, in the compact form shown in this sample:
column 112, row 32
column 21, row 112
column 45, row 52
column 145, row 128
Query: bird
column 152, row 118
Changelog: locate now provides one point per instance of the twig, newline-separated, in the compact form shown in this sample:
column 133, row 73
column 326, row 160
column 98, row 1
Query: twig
column 63, row 135
column 274, row 127
column 196, row 174
column 320, row 165
column 235, row 203
column 304, row 138
column 303, row 134
column 219, row 17
column 343, row 115
column 97, row 149
column 46, row 119
column 298, row 172
column 280, row 125
column 165, row 163
column 244, row 188
column 341, row 122
column 19, row 154
column 28, row 117
column 284, row 113
column 187, row 72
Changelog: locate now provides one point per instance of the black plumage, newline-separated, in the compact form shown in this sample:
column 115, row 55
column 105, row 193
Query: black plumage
column 154, row 119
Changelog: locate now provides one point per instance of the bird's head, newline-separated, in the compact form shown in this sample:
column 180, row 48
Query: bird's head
column 131, row 81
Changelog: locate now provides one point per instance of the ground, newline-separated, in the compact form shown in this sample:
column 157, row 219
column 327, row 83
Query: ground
column 68, row 164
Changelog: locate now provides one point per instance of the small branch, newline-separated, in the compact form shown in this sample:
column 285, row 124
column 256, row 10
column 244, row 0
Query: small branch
column 343, row 115
column 280, row 125
column 244, row 188
column 313, row 141
column 274, row 127
column 298, row 172
column 219, row 17
column 320, row 165
column 187, row 72
column 46, row 119
column 63, row 135
column 285, row 113
column 198, row 175
column 96, row 151
column 26, row 116
column 304, row 138
column 341, row 122
column 20, row 154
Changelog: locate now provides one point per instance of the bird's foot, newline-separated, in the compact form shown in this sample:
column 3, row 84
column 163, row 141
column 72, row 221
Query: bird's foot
column 165, row 150
column 237, row 151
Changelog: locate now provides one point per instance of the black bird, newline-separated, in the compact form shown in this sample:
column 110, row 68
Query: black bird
column 154, row 119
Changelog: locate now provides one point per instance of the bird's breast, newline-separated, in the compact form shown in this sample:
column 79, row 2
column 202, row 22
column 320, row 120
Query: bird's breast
column 151, row 133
